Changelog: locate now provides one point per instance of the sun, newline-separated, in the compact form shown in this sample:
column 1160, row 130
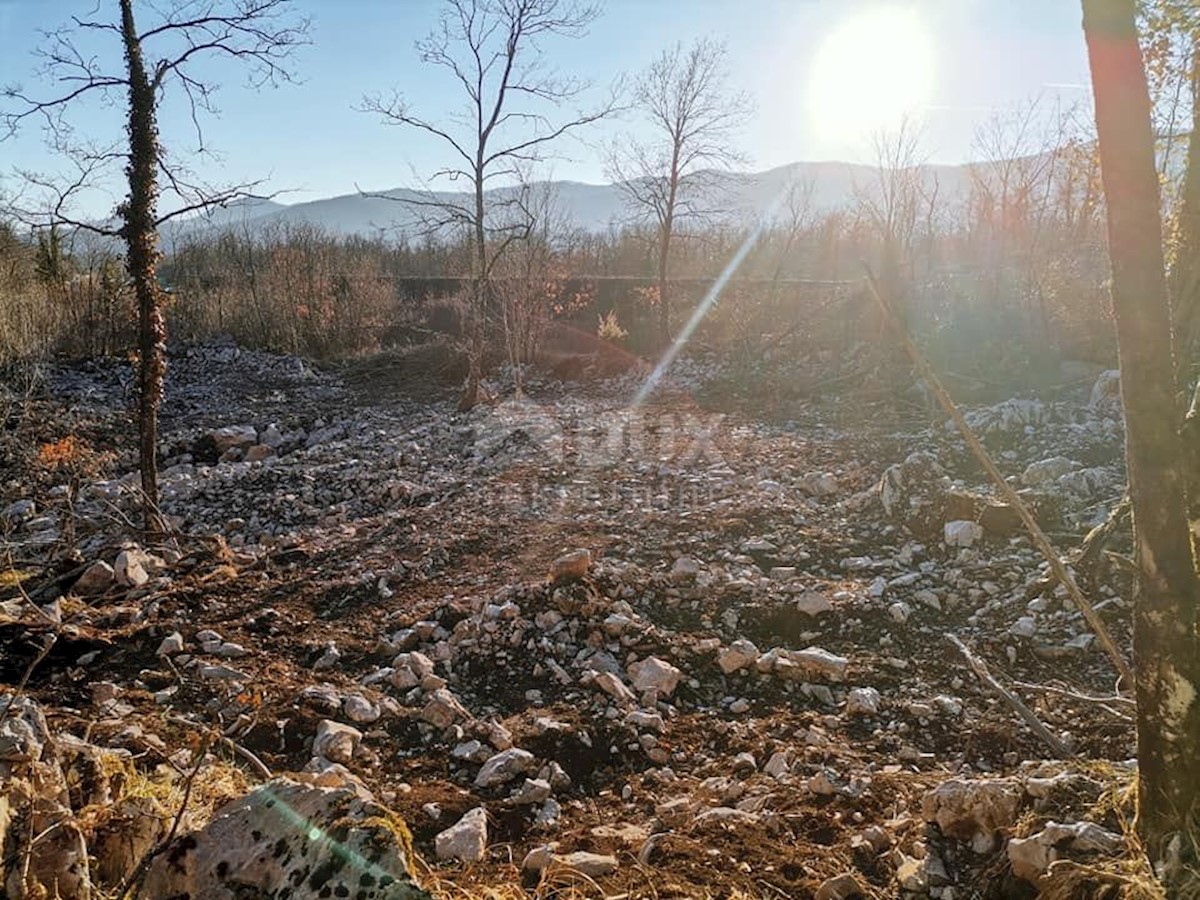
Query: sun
column 871, row 73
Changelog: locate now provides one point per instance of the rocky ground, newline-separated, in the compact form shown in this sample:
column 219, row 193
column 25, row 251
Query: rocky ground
column 581, row 648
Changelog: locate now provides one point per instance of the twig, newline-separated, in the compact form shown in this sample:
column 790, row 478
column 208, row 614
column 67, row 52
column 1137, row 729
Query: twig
column 1010, row 496
column 257, row 764
column 1102, row 702
column 979, row 667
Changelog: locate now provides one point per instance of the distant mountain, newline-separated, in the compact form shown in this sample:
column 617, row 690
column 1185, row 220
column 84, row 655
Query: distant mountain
column 741, row 197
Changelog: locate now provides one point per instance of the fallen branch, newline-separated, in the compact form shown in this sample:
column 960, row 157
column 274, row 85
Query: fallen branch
column 1057, row 567
column 1102, row 702
column 979, row 667
column 257, row 764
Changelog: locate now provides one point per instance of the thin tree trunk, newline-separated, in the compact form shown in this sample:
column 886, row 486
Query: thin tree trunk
column 470, row 395
column 664, row 296
column 142, row 254
column 1166, row 657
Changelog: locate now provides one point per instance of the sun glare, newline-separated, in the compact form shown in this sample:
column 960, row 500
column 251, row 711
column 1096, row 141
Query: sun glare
column 871, row 72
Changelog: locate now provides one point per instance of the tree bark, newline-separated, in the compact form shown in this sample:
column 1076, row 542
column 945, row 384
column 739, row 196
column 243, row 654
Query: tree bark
column 1166, row 657
column 142, row 254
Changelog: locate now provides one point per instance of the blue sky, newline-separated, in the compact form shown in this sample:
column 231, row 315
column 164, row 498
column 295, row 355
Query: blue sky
column 309, row 139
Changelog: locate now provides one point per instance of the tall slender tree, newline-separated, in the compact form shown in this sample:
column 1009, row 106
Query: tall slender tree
column 513, row 116
column 162, row 56
column 692, row 117
column 1165, row 642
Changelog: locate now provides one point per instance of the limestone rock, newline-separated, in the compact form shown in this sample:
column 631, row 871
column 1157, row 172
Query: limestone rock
column 504, row 767
column 96, row 579
column 336, row 742
column 654, row 674
column 1031, row 857
column 962, row 533
column 466, row 839
column 292, row 838
column 737, row 655
column 973, row 810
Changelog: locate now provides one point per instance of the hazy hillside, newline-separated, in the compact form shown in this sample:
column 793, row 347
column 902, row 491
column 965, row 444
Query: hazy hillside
column 594, row 207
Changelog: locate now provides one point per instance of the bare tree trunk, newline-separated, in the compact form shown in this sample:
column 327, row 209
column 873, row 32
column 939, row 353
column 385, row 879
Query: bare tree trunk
column 664, row 295
column 142, row 254
column 478, row 298
column 1166, row 649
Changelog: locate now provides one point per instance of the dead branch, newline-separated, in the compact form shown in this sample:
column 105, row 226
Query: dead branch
column 979, row 667
column 1057, row 567
column 257, row 764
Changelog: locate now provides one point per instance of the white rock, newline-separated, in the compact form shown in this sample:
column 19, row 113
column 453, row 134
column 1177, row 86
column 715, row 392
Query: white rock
column 131, row 568
column 737, row 655
column 96, row 579
column 359, row 709
column 962, row 533
column 862, row 702
column 171, row 644
column 466, row 839
column 336, row 742
column 504, row 767
column 654, row 674
column 1025, row 627
column 813, row 604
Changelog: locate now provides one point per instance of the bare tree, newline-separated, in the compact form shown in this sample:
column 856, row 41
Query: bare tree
column 1165, row 643
column 157, row 58
column 492, row 50
column 893, row 203
column 528, row 282
column 669, row 178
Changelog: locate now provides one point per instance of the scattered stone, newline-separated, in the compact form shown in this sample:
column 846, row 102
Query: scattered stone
column 654, row 674
column 504, row 767
column 571, row 566
column 466, row 839
column 96, row 579
column 336, row 742
column 973, row 810
column 738, row 655
column 962, row 533
column 840, row 887
column 170, row 645
column 862, row 702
